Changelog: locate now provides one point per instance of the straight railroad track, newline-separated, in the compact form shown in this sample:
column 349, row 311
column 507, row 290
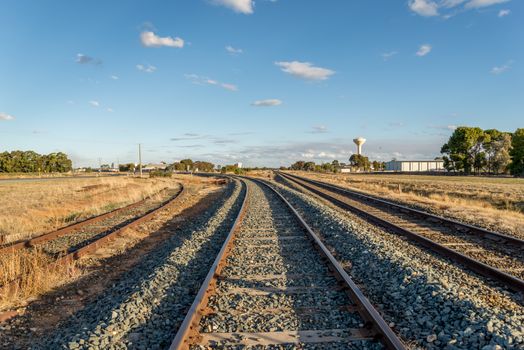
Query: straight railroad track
column 275, row 284
column 491, row 254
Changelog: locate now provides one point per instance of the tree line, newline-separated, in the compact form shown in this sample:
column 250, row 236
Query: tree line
column 32, row 162
column 356, row 162
column 473, row 150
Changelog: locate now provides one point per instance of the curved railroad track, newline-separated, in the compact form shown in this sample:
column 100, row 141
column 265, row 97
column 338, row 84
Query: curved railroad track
column 491, row 254
column 274, row 283
column 73, row 237
column 73, row 242
column 95, row 223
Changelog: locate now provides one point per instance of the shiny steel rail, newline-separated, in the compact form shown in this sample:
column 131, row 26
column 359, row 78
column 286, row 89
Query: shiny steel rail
column 188, row 333
column 326, row 191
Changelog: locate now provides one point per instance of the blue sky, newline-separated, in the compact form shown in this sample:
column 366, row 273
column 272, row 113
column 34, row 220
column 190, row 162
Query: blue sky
column 262, row 82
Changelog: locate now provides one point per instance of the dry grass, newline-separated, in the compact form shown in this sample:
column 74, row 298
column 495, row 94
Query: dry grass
column 35, row 272
column 32, row 208
column 495, row 203
column 29, row 274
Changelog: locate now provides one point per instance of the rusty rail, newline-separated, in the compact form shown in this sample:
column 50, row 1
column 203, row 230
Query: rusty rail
column 481, row 268
column 71, row 228
column 189, row 328
column 495, row 236
column 91, row 247
column 188, row 331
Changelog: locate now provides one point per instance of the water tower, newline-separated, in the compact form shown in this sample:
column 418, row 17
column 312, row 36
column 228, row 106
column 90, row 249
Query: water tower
column 359, row 141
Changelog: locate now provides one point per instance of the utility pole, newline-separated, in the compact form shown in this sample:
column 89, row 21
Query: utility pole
column 140, row 158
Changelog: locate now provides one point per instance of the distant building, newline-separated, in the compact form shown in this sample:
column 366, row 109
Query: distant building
column 153, row 167
column 415, row 165
column 239, row 165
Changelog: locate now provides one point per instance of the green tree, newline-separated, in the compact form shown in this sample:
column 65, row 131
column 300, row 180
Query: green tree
column 29, row 161
column 360, row 162
column 463, row 148
column 499, row 151
column 517, row 153
column 187, row 164
column 203, row 166
column 130, row 167
column 309, row 166
column 299, row 165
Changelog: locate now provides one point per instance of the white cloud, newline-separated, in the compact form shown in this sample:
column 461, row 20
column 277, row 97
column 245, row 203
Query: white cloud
column 503, row 13
column 450, row 8
column 233, row 51
column 425, row 8
column 5, row 116
column 423, row 50
column 150, row 39
column 110, row 110
column 305, row 70
column 501, row 69
column 241, row 6
column 267, row 103
column 474, row 4
column 199, row 80
column 146, row 68
column 94, row 103
column 387, row 55
column 114, row 77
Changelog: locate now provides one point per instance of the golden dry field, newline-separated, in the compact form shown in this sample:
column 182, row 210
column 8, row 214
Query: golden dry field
column 42, row 206
column 494, row 203
column 35, row 207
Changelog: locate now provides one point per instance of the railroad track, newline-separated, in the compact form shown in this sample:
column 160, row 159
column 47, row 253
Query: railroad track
column 275, row 284
column 78, row 240
column 491, row 254
column 73, row 237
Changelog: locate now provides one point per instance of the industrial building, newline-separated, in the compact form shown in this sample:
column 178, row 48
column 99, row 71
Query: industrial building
column 415, row 165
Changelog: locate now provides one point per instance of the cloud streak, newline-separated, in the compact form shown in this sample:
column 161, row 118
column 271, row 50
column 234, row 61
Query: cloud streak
column 201, row 80
column 501, row 69
column 319, row 129
column 387, row 55
column 85, row 59
column 5, row 116
column 305, row 70
column 146, row 68
column 267, row 103
column 234, row 51
column 432, row 8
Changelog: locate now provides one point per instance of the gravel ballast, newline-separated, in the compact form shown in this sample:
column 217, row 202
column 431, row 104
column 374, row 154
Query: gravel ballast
column 145, row 307
column 431, row 302
column 275, row 280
